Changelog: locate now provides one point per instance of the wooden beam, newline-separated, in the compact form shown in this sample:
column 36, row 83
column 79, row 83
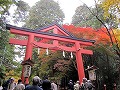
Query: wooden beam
column 18, row 42
column 84, row 51
column 50, row 37
column 53, row 47
column 14, row 31
column 50, row 46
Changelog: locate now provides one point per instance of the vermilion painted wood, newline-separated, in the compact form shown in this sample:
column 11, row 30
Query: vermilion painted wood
column 30, row 43
column 55, row 42
column 18, row 42
column 79, row 61
column 55, row 27
column 28, row 55
column 13, row 31
column 49, row 46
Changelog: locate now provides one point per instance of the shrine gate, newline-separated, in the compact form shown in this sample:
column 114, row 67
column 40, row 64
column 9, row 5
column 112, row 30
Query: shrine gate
column 54, row 34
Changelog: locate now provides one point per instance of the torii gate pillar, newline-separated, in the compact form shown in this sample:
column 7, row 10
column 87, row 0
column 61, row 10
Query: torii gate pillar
column 79, row 61
column 28, row 55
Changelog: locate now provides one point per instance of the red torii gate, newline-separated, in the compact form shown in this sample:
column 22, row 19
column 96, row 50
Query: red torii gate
column 58, row 34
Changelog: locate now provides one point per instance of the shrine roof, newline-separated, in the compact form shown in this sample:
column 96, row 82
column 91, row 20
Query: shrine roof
column 92, row 68
column 72, row 37
column 27, row 62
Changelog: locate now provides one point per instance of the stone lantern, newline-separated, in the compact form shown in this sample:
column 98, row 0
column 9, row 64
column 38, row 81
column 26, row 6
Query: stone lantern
column 27, row 67
column 91, row 71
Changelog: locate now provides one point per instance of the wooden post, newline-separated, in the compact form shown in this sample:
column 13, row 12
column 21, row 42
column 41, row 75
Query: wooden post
column 28, row 55
column 80, row 66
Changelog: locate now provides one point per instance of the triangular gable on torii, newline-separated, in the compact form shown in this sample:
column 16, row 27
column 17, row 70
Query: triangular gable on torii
column 55, row 29
column 57, row 34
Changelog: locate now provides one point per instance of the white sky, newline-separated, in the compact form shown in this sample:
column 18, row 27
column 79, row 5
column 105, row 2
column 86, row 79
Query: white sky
column 68, row 6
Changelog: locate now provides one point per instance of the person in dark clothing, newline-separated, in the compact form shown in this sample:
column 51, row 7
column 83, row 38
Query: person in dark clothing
column 70, row 85
column 6, row 83
column 84, row 84
column 19, row 86
column 90, row 85
column 46, row 85
column 35, row 86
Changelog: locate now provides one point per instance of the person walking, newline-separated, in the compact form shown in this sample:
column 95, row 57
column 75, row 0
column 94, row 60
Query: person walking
column 54, row 86
column 6, row 83
column 77, row 86
column 84, row 85
column 70, row 85
column 19, row 86
column 34, row 86
column 90, row 86
column 11, row 85
column 46, row 85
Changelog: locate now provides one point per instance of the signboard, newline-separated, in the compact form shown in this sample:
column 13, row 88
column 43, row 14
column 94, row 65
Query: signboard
column 92, row 75
column 27, row 70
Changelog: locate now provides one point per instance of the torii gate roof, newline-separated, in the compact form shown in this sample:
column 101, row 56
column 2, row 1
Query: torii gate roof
column 41, row 31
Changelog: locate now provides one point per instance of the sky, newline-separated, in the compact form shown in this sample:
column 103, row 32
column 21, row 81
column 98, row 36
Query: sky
column 68, row 6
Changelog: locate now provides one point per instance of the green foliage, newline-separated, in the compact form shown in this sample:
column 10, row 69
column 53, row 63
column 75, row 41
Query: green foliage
column 105, row 59
column 84, row 18
column 44, row 12
column 21, row 12
column 92, row 17
column 107, row 62
column 2, row 72
column 72, row 72
column 6, row 50
column 43, row 66
column 5, row 5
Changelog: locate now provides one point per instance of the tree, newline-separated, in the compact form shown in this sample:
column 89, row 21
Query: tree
column 110, row 7
column 99, row 35
column 6, row 50
column 111, row 10
column 2, row 73
column 5, row 5
column 21, row 8
column 107, row 62
column 109, row 23
column 47, row 65
column 98, row 21
column 44, row 12
column 84, row 18
column 21, row 12
column 117, row 36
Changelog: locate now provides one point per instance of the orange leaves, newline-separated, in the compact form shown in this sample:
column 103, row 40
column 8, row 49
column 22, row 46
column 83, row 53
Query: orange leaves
column 100, row 35
column 80, row 32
